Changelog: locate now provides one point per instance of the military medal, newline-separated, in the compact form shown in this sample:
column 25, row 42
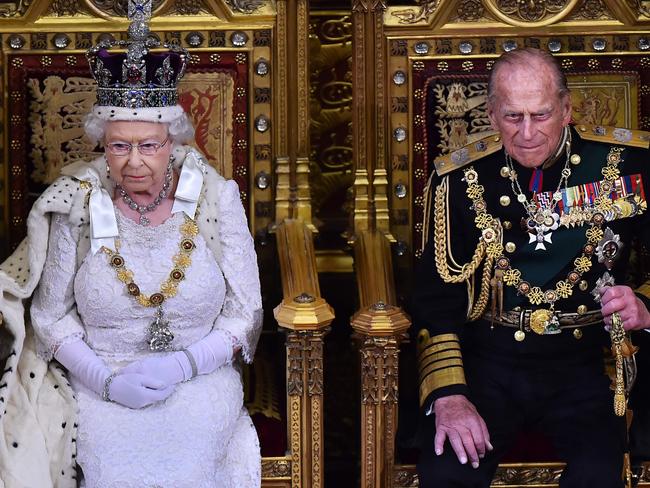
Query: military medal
column 608, row 248
column 541, row 225
column 542, row 218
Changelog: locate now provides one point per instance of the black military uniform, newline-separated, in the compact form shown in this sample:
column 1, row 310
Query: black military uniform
column 521, row 371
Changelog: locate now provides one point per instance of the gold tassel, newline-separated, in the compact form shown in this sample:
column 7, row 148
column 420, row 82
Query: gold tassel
column 617, row 334
column 496, row 298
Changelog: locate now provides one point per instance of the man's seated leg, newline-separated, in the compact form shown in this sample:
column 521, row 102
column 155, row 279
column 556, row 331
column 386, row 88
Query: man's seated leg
column 585, row 431
column 490, row 384
column 445, row 471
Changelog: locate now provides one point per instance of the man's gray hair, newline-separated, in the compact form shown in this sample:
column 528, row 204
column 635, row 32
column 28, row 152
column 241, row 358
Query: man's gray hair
column 180, row 129
column 526, row 57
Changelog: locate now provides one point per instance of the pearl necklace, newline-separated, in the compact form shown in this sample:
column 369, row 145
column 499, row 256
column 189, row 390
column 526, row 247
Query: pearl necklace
column 142, row 209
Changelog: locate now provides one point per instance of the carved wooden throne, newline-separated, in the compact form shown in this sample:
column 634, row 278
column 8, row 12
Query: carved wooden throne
column 425, row 95
column 236, row 90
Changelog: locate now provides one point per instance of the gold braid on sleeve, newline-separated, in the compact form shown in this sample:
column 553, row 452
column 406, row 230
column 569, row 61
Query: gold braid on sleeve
column 459, row 274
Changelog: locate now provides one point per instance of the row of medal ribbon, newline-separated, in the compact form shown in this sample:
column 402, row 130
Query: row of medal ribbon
column 577, row 205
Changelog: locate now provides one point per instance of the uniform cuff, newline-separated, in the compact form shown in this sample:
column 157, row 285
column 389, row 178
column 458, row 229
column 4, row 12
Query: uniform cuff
column 440, row 365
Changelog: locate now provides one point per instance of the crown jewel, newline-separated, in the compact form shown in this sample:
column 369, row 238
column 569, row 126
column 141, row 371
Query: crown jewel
column 137, row 78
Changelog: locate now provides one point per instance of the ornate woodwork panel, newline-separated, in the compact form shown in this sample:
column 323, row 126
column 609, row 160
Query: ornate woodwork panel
column 537, row 13
column 117, row 8
column 379, row 370
column 512, row 475
column 305, row 406
column 331, row 125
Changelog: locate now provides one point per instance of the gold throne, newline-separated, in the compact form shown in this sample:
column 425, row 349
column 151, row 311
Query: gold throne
column 423, row 94
column 242, row 72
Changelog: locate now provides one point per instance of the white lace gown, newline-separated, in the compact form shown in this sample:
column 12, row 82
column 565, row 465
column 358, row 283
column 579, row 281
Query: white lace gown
column 200, row 436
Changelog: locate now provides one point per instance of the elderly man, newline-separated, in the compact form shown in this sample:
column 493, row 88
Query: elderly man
column 523, row 226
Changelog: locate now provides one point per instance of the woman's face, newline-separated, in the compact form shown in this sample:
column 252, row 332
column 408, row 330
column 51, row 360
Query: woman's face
column 136, row 172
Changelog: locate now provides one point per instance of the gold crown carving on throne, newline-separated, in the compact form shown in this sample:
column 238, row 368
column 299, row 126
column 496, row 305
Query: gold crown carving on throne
column 130, row 75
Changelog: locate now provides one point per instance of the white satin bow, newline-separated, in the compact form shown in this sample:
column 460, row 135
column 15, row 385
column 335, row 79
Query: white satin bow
column 189, row 185
column 103, row 224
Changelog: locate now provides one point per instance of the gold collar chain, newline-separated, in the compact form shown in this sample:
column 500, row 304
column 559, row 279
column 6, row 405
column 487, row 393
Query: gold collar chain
column 160, row 335
column 491, row 235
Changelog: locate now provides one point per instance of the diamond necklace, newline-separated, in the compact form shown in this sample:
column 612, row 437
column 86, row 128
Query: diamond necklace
column 143, row 209
column 542, row 219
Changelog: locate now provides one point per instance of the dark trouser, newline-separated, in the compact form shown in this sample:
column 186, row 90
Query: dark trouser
column 569, row 401
column 640, row 401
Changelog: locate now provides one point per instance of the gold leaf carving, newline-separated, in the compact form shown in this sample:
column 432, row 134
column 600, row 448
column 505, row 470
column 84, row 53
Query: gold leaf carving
column 245, row 6
column 526, row 475
column 415, row 15
column 14, row 9
column 295, row 348
column 276, row 468
column 530, row 11
column 506, row 475
column 315, row 366
column 641, row 7
column 592, row 10
column 62, row 8
column 117, row 8
column 470, row 10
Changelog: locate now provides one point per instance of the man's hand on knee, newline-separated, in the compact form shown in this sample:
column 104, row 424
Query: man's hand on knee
column 458, row 421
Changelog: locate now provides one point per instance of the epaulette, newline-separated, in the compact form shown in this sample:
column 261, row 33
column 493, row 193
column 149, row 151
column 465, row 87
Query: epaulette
column 614, row 135
column 467, row 154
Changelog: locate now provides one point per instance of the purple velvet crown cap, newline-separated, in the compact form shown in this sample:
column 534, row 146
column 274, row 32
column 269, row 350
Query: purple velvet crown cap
column 140, row 77
column 156, row 74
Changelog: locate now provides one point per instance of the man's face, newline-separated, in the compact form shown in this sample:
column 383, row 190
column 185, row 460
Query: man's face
column 528, row 112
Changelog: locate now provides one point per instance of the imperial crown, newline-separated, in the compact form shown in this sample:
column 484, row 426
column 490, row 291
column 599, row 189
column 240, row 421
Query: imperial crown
column 137, row 77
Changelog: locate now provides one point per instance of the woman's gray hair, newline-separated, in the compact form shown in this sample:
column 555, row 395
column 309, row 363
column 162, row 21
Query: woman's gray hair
column 181, row 130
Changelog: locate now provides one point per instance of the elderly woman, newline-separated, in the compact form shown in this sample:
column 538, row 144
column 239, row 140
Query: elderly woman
column 146, row 291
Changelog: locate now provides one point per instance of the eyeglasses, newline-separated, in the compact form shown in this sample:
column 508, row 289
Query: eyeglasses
column 145, row 148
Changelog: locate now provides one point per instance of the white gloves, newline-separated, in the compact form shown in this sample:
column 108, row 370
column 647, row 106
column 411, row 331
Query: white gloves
column 82, row 362
column 132, row 390
column 135, row 390
column 211, row 352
